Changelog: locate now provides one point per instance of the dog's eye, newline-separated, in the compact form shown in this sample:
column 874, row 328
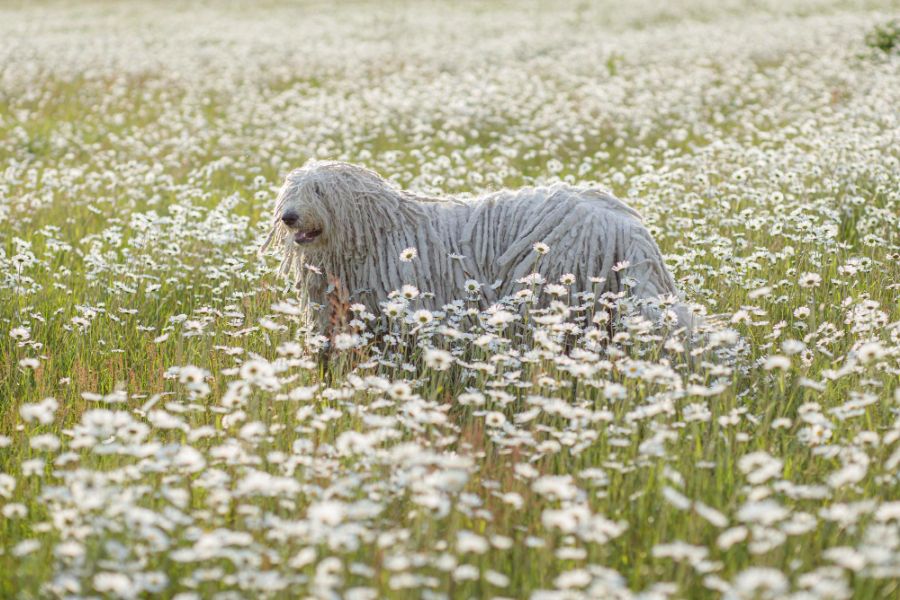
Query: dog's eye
column 317, row 189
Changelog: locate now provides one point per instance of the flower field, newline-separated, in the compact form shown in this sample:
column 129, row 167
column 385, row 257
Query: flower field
column 170, row 425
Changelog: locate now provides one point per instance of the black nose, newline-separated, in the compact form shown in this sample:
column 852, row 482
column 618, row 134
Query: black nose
column 290, row 218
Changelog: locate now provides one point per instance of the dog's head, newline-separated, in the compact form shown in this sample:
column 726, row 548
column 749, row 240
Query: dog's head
column 333, row 206
column 300, row 208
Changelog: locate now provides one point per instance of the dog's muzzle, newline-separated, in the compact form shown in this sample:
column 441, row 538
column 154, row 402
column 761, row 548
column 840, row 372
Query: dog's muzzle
column 290, row 218
column 304, row 236
column 307, row 237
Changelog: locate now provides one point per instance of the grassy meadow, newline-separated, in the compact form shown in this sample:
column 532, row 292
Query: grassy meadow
column 169, row 426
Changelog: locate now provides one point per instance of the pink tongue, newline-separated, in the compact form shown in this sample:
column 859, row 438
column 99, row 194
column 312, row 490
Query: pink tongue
column 301, row 237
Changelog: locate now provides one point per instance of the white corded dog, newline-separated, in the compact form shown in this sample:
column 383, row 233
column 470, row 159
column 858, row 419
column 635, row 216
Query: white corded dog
column 340, row 220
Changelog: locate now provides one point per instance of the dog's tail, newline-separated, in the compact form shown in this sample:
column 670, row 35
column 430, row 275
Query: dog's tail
column 651, row 283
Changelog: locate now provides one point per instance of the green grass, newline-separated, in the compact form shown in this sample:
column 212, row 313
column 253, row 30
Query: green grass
column 91, row 155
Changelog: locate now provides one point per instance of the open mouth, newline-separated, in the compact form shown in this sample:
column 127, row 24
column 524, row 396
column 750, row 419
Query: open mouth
column 307, row 237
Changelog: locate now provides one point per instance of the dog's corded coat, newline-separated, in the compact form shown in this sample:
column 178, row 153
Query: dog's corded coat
column 365, row 222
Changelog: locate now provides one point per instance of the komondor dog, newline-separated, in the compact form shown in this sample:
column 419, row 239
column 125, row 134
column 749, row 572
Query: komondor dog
column 342, row 223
